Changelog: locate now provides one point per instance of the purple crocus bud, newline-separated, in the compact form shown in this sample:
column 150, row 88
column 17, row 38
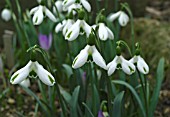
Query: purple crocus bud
column 45, row 41
column 100, row 113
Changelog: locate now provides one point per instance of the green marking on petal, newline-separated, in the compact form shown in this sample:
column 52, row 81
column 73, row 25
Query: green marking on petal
column 144, row 69
column 51, row 80
column 68, row 36
column 14, row 77
column 65, row 1
column 131, row 70
column 36, row 19
column 75, row 60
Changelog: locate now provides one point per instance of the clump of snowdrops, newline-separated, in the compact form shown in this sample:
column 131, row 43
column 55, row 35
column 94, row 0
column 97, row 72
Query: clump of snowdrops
column 80, row 61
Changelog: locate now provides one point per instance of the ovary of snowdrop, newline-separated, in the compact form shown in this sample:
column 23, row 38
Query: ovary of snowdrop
column 6, row 14
column 39, row 12
column 141, row 64
column 19, row 76
column 84, row 3
column 82, row 57
column 104, row 32
column 122, row 17
column 126, row 66
column 74, row 31
column 64, row 26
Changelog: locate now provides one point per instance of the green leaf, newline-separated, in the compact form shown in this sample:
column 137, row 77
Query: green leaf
column 134, row 93
column 159, row 79
column 65, row 95
column 95, row 100
column 68, row 70
column 117, row 106
column 74, row 102
column 88, row 109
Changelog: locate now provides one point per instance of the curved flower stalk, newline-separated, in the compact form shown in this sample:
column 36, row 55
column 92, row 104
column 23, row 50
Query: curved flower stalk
column 74, row 31
column 125, row 65
column 104, row 32
column 121, row 16
column 84, row 3
column 21, row 75
column 6, row 14
column 45, row 41
column 64, row 26
column 82, row 57
column 39, row 12
column 141, row 64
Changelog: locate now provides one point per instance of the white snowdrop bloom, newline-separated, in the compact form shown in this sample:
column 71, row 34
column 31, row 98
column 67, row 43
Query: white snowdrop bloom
column 39, row 1
column 6, row 14
column 84, row 3
column 122, row 18
column 59, row 6
column 39, row 12
column 22, row 74
column 125, row 65
column 141, row 64
column 25, row 83
column 104, row 32
column 72, row 7
column 74, row 31
column 64, row 26
column 82, row 57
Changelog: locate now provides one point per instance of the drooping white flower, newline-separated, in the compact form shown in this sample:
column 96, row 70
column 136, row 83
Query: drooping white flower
column 82, row 57
column 126, row 66
column 72, row 7
column 141, row 64
column 6, row 14
column 39, row 12
column 84, row 3
column 104, row 32
column 22, row 74
column 25, row 83
column 59, row 6
column 74, row 31
column 122, row 18
column 64, row 26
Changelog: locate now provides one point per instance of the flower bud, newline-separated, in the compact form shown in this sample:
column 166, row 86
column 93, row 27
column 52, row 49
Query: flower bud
column 6, row 14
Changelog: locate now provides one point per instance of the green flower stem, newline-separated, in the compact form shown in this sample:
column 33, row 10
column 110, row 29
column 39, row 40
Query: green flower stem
column 144, row 92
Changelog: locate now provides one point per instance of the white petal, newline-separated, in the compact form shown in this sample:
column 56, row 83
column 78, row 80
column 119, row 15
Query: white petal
column 142, row 66
column 111, row 67
column 113, row 16
column 38, row 16
column 110, row 33
column 67, row 26
column 44, row 75
column 133, row 60
column 98, row 59
column 127, row 66
column 103, row 34
column 50, row 15
column 73, row 32
column 25, row 83
column 81, row 58
column 123, row 19
column 86, row 28
column 6, row 14
column 67, row 3
column 21, row 74
column 86, row 5
column 59, row 6
column 60, row 26
column 33, row 10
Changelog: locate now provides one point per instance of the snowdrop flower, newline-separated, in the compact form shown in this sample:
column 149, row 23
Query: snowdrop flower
column 39, row 12
column 84, row 3
column 82, row 57
column 104, row 32
column 45, row 41
column 21, row 75
column 126, row 66
column 122, row 18
column 71, row 7
column 64, row 26
column 74, row 31
column 141, row 64
column 59, row 6
column 25, row 83
column 6, row 14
